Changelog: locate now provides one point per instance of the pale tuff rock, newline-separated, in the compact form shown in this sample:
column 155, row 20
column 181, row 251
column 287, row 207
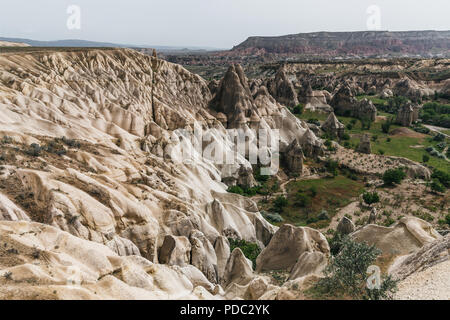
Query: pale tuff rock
column 311, row 145
column 411, row 89
column 364, row 145
column 407, row 115
column 61, row 266
column 333, row 126
column 345, row 226
column 373, row 216
column 233, row 97
column 10, row 212
column 406, row 236
column 286, row 246
column 386, row 93
column 253, row 290
column 429, row 255
column 238, row 269
column 242, row 177
column 123, row 247
column 425, row 274
column 282, row 89
column 291, row 290
column 309, row 263
column 317, row 100
column 175, row 251
column 294, row 157
column 365, row 109
column 344, row 103
column 203, row 255
column 222, row 249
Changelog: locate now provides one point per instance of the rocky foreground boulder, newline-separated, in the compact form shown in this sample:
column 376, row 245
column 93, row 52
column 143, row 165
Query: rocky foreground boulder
column 287, row 245
column 406, row 236
column 43, row 262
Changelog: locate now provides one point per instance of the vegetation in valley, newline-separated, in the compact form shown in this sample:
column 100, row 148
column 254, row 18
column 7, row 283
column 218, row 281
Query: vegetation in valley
column 347, row 276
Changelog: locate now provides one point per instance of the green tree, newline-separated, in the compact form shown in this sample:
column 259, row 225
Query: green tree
column 393, row 176
column 298, row 109
column 347, row 272
column 371, row 198
column 279, row 204
column 436, row 186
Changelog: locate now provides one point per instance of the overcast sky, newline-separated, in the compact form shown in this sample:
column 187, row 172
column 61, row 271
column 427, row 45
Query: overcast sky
column 213, row 23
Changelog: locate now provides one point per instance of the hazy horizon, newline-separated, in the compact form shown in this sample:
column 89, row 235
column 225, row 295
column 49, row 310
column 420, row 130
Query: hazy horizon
column 210, row 23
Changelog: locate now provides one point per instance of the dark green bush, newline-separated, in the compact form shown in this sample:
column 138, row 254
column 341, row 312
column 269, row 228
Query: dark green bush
column 298, row 109
column 393, row 176
column 346, row 275
column 443, row 177
column 437, row 186
column 279, row 204
column 236, row 189
column 302, row 200
column 371, row 198
column 34, row 150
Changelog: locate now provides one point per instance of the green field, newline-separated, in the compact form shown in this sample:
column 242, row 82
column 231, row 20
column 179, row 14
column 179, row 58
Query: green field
column 328, row 194
column 400, row 146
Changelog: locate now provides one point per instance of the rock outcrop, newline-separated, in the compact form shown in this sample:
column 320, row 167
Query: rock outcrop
column 311, row 145
column 345, row 226
column 405, row 237
column 287, row 245
column 175, row 251
column 43, row 262
column 316, row 101
column 294, row 158
column 345, row 103
column 364, row 145
column 429, row 255
column 407, row 115
column 309, row 263
column 238, row 270
column 333, row 126
column 282, row 90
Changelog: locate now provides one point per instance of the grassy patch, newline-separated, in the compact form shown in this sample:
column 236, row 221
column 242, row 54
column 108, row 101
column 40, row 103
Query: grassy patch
column 412, row 148
column 308, row 198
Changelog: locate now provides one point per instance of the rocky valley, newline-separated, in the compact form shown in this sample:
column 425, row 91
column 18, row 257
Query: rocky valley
column 107, row 191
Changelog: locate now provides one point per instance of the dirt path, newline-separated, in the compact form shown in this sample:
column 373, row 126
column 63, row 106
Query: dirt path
column 430, row 284
column 437, row 129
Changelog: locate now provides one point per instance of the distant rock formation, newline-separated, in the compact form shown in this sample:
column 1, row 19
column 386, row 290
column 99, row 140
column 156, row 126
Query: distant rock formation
column 233, row 97
column 333, row 126
column 294, row 157
column 407, row 115
column 282, row 89
column 316, row 100
column 311, row 145
column 364, row 144
column 345, row 226
column 345, row 103
column 363, row 43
